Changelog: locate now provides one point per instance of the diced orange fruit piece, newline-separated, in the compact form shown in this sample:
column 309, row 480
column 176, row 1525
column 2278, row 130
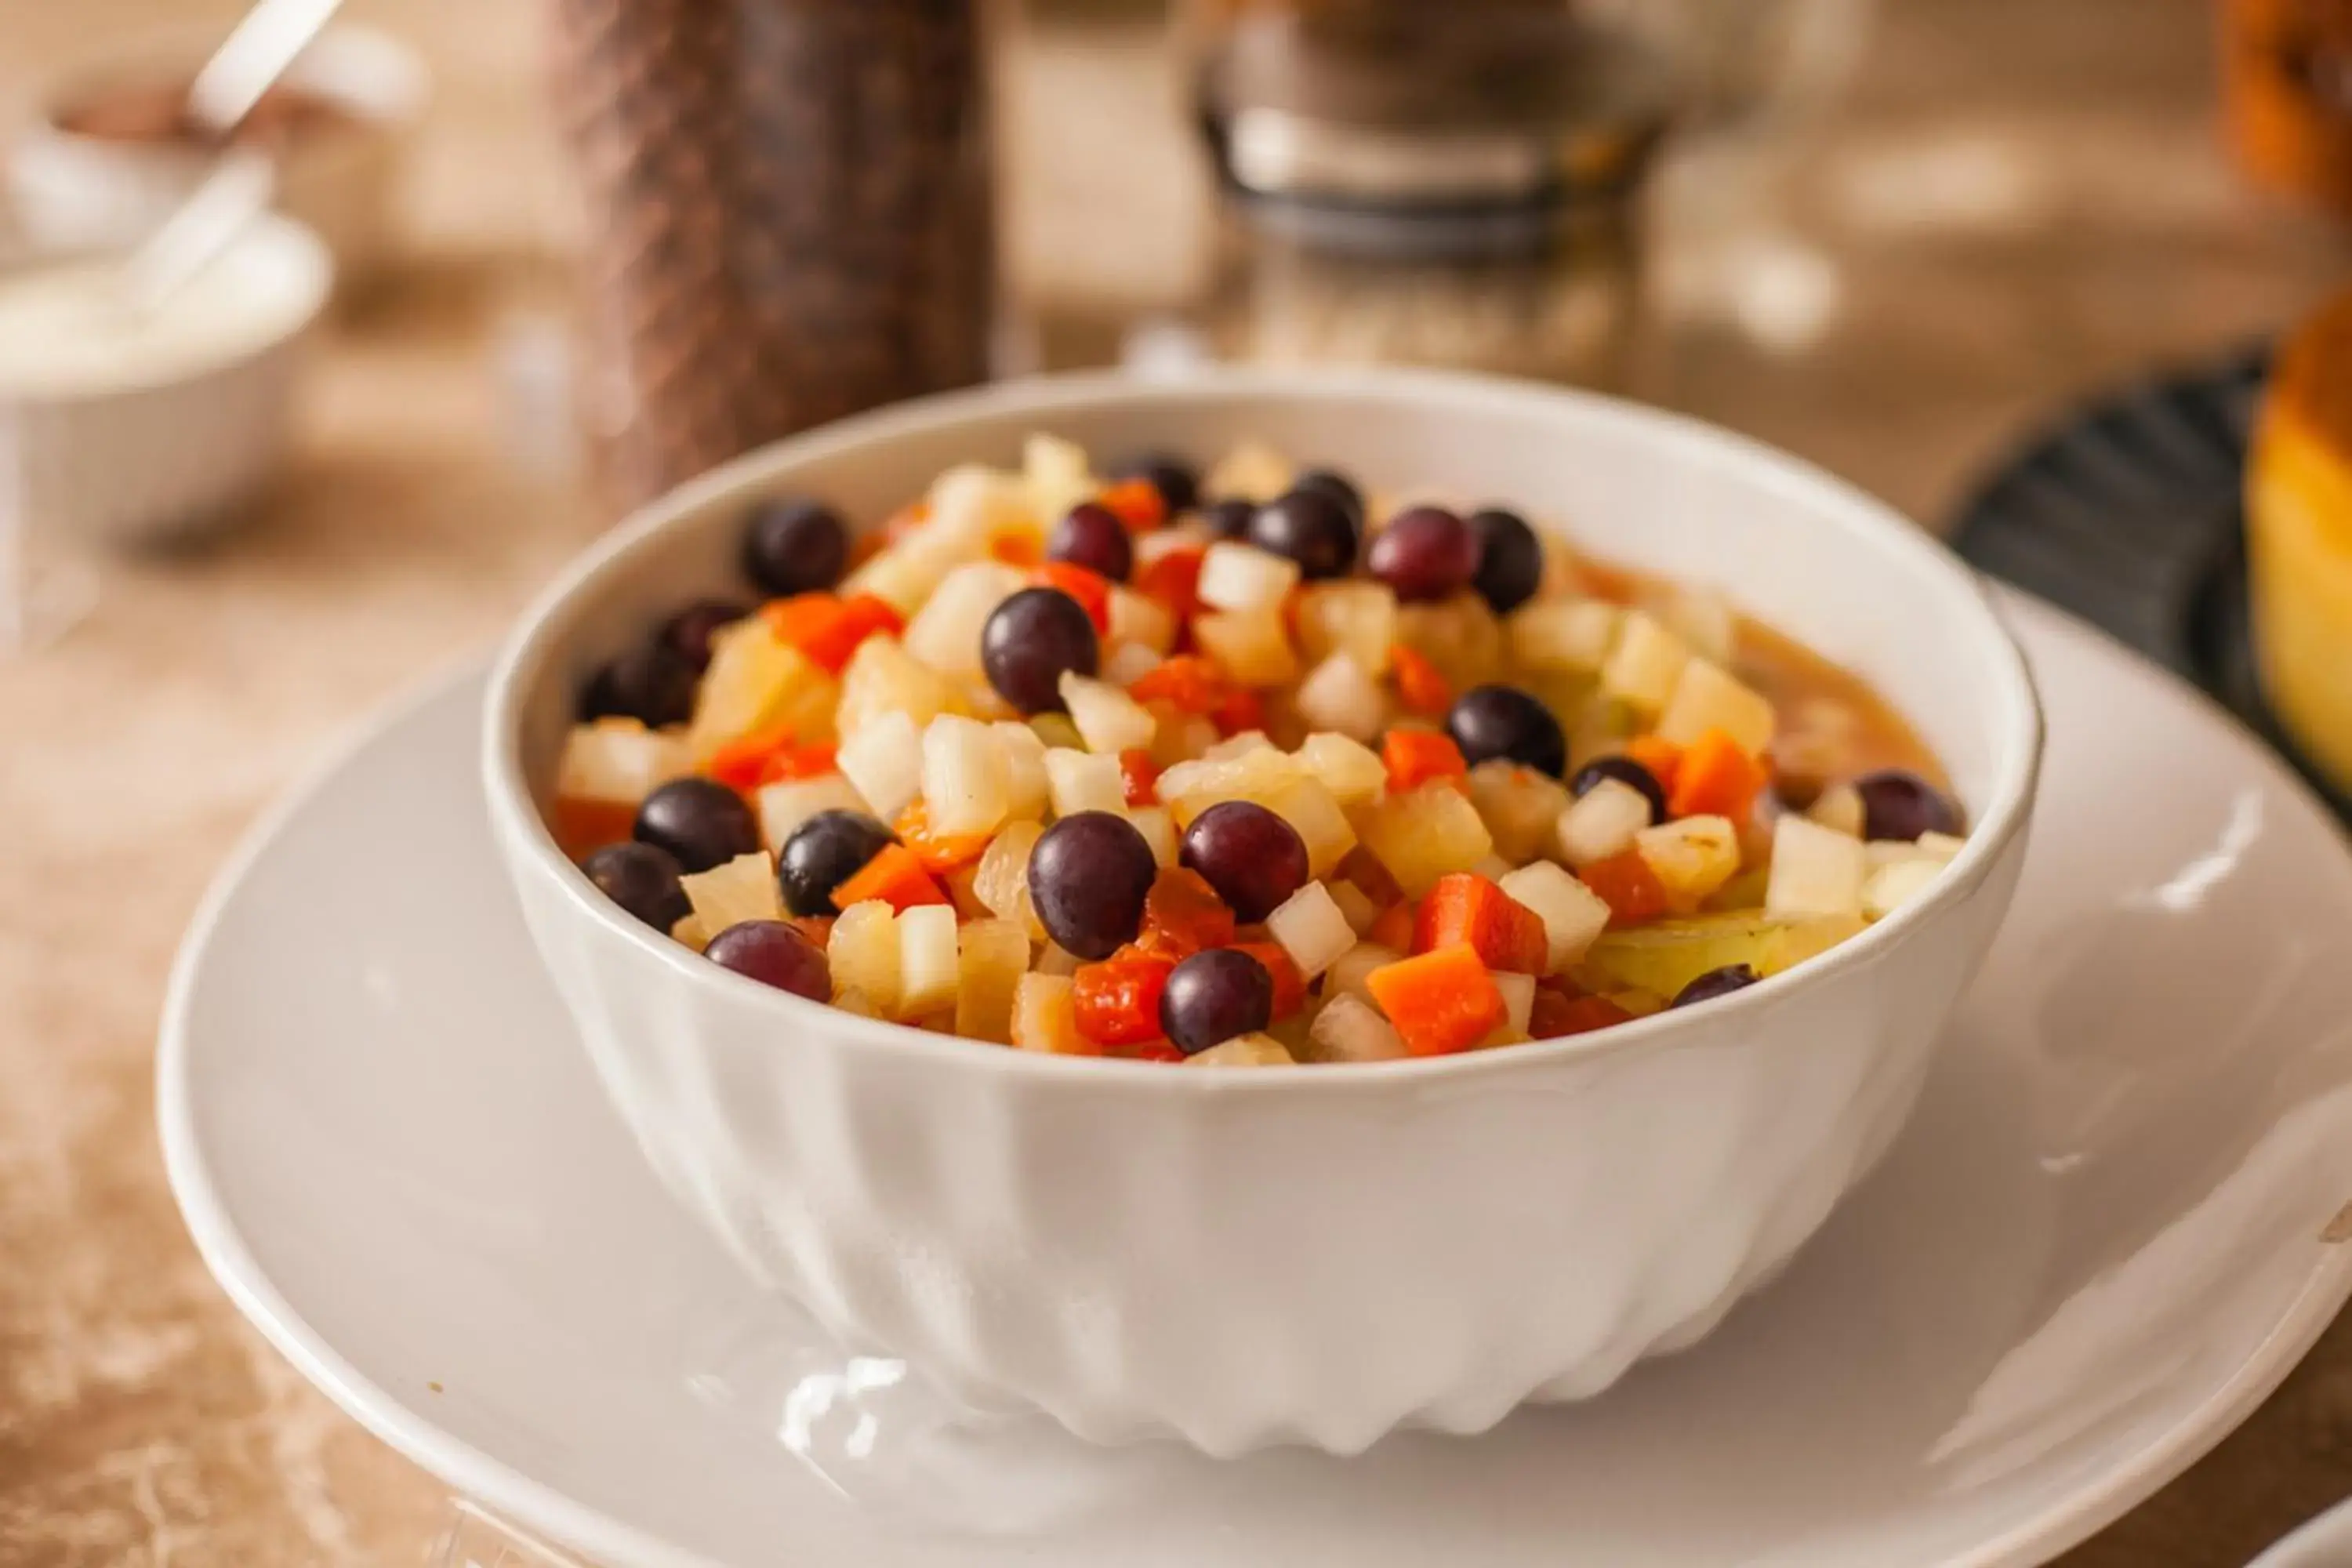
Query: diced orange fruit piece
column 1192, row 682
column 1628, row 886
column 1419, row 685
column 1138, row 776
column 895, row 876
column 1558, row 1014
column 1392, row 928
column 1091, row 589
column 582, row 826
column 1658, row 754
column 940, row 853
column 1440, row 1001
column 807, row 761
column 1237, row 711
column 793, row 619
column 1138, row 503
column 1183, row 914
column 1117, row 1000
column 1016, row 547
column 1174, row 579
column 1416, row 756
column 742, row 763
column 864, row 616
column 1465, row 908
column 1715, row 777
column 1289, row 985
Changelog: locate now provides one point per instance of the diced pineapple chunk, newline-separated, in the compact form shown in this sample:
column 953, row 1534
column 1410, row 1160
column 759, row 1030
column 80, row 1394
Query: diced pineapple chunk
column 1157, row 827
column 1238, row 745
column 743, row 888
column 1602, row 822
column 1057, row 474
column 1251, row 645
column 1183, row 736
column 1573, row 914
column 1191, row 788
column 1350, row 969
column 1708, row 697
column 928, row 965
column 1250, row 471
column 1045, row 1019
column 1355, row 905
column 690, row 932
column 756, row 683
column 1323, row 826
column 1839, row 808
column 945, row 632
column 1055, row 959
column 1244, row 1051
column 966, row 786
column 1352, row 771
column 1350, row 1029
column 1896, row 883
column 1108, row 720
column 1702, row 617
column 1340, row 696
column 1664, row 956
column 1426, row 833
column 619, row 761
column 1002, row 883
column 884, row 759
column 1349, row 616
column 1026, row 787
column 1236, row 576
column 1312, row 929
column 785, row 806
column 883, row 677
column 1056, row 729
column 995, row 956
column 1518, row 1007
column 1493, row 868
column 1521, row 806
column 1936, row 847
column 1460, row 635
column 1564, row 634
column 1129, row 662
column 1085, row 780
column 1691, row 856
column 1141, row 619
column 1815, row 872
column 1646, row 663
column 863, row 953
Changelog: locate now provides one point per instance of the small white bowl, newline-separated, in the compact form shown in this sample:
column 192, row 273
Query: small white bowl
column 145, row 456
column 1317, row 1254
column 75, row 191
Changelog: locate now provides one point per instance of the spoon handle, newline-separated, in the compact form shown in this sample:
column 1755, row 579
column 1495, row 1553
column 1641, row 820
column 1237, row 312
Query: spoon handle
column 237, row 192
column 253, row 56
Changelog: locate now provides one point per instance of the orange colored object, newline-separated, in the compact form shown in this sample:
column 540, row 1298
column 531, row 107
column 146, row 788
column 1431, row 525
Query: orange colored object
column 1237, row 711
column 1556, row 1016
column 818, row 929
column 1628, row 886
column 1440, row 1001
column 2282, row 61
column 793, row 619
column 1174, row 579
column 864, row 616
column 1138, row 776
column 770, row 757
column 1016, row 547
column 939, row 852
column 810, row 762
column 1289, row 985
column 1468, row 909
column 1392, row 928
column 1138, row 503
column 1661, row 756
column 1156, row 1051
column 1416, row 756
column 1619, row 587
column 1117, row 1001
column 1183, row 914
column 1419, row 684
column 583, row 827
column 1192, row 682
column 1715, row 777
column 895, row 876
column 1091, row 589
column 865, row 548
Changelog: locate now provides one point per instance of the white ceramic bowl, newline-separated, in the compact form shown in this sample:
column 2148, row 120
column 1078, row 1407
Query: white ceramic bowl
column 1315, row 1253
column 75, row 191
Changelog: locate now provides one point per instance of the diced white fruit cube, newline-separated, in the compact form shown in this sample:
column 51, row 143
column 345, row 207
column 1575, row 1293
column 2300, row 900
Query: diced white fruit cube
column 1251, row 645
column 1839, row 807
column 1349, row 616
column 993, row 956
column 883, row 678
column 1238, row 745
column 1708, row 697
column 1564, row 634
column 1258, row 774
column 1323, row 826
column 1936, row 847
column 1236, row 576
column 1002, row 883
column 1026, row 792
column 863, row 953
column 1250, row 471
column 1520, row 807
column 1157, row 827
column 883, row 760
column 1460, row 635
column 1350, row 969
column 1108, row 720
column 756, row 683
column 1312, row 929
column 1426, row 833
column 1129, row 662
column 1045, row 1015
column 1518, row 1003
column 1350, row 1029
column 945, row 632
column 1054, row 959
column 967, row 787
column 1057, row 474
column 1815, row 871
column 1643, row 666
column 618, row 760
column 1350, row 770
column 1355, row 905
column 1702, row 617
column 1244, row 1051
column 785, row 806
column 1085, row 780
column 744, row 888
column 1141, row 619
column 928, row 965
column 1602, row 822
column 1573, row 915
column 1896, row 883
column 1691, row 856
column 1338, row 695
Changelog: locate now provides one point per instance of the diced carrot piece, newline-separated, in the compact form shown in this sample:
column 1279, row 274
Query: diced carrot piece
column 1140, row 776
column 1183, row 914
column 1556, row 1016
column 829, row 645
column 1416, row 756
column 1628, row 886
column 1440, row 1001
column 1175, row 580
column 818, row 929
column 1658, row 754
column 1091, row 589
column 1240, row 710
column 1117, row 1000
column 1419, row 684
column 1289, row 985
column 582, row 826
column 742, row 763
column 939, row 852
column 810, row 762
column 796, row 620
column 1465, row 908
column 1715, row 777
column 1392, row 928
column 895, row 876
column 1137, row 503
column 1016, row 547
column 1189, row 681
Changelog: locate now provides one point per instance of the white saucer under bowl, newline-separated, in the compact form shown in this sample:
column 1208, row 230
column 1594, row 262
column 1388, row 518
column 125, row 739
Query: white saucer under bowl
column 2103, row 1239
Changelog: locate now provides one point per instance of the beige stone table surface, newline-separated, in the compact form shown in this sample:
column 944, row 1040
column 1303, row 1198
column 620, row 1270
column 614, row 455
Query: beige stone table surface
column 2021, row 200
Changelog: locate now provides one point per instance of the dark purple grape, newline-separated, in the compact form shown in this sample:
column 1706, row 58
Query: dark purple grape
column 822, row 853
column 1624, row 770
column 642, row 880
column 687, row 633
column 1213, row 996
column 795, row 546
column 1489, row 722
column 1510, row 559
column 701, row 821
column 653, row 684
column 1716, row 982
column 1426, row 553
column 1087, row 878
column 1898, row 804
column 1091, row 535
column 773, row 952
column 1171, row 476
column 1339, row 487
column 1031, row 640
column 1311, row 526
column 1229, row 519
column 1251, row 856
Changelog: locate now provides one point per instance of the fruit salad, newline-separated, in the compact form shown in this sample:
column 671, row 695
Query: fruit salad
column 1242, row 767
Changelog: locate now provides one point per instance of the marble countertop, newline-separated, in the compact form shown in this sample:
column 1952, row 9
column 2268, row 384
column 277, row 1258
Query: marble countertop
column 2019, row 201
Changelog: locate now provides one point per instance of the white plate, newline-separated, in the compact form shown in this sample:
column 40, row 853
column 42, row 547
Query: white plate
column 2098, row 1245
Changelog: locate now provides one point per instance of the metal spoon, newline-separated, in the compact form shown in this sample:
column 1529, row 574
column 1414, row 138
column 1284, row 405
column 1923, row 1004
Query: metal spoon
column 253, row 56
